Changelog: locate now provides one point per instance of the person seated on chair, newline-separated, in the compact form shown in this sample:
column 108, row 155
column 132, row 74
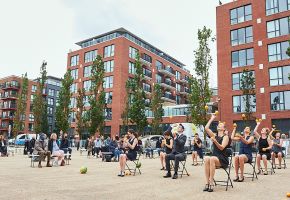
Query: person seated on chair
column 97, row 146
column 277, row 149
column 148, row 148
column 90, row 145
column 64, row 145
column 26, row 144
column 41, row 149
column 219, row 158
column 53, row 147
column 3, row 146
column 113, row 148
column 197, row 149
column 245, row 152
column 158, row 145
column 31, row 145
column 132, row 145
column 265, row 145
column 166, row 144
column 178, row 151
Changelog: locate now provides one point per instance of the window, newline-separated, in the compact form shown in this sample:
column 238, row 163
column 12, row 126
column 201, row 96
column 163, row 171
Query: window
column 50, row 101
column 74, row 60
column 277, row 51
column 51, row 92
column 91, row 56
column 87, row 71
column 57, row 94
column 146, row 87
column 279, row 75
column 49, row 110
column 73, row 88
column 178, row 87
column 31, row 117
column 87, row 85
column 109, row 66
column 178, row 99
column 236, row 80
column 242, row 58
column 239, row 103
column 132, row 69
column 74, row 73
column 33, row 88
column 73, row 102
column 178, row 75
column 109, row 51
column 146, row 57
column 72, row 117
column 158, row 78
column 241, row 14
column 86, row 100
column 109, row 97
column 49, row 120
column 278, row 27
column 242, row 36
column 31, row 127
column 108, row 113
column 276, row 6
column 32, row 97
column 132, row 52
column 108, row 82
column 50, row 128
column 147, row 72
column 280, row 100
column 159, row 65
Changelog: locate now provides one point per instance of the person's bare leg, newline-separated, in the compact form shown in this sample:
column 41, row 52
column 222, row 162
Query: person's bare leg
column 192, row 155
column 195, row 157
column 280, row 158
column 273, row 158
column 242, row 160
column 236, row 165
column 207, row 169
column 258, row 162
column 264, row 157
column 214, row 162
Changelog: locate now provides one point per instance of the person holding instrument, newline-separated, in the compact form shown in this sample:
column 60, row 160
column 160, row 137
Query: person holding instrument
column 167, row 144
column 197, row 150
column 245, row 153
column 219, row 156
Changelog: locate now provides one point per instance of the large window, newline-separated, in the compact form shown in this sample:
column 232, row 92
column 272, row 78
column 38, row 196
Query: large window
column 86, row 100
column 74, row 60
column 146, row 57
column 159, row 65
column 239, row 103
column 242, row 36
column 158, row 78
column 279, row 75
column 241, row 14
column 31, row 117
column 51, row 92
column 236, row 80
column 91, row 56
column 242, row 58
column 276, row 6
column 73, row 102
column 109, row 51
column 109, row 66
column 132, row 69
column 73, row 88
column 277, row 51
column 108, row 113
column 108, row 82
column 87, row 85
column 74, row 73
column 147, row 72
column 146, row 87
column 33, row 88
column 87, row 71
column 178, row 87
column 178, row 75
column 50, row 101
column 280, row 100
column 133, row 52
column 109, row 97
column 278, row 27
column 49, row 110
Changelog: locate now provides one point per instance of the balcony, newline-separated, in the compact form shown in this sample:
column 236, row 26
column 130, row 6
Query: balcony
column 6, row 118
column 168, row 98
column 145, row 62
column 168, row 85
column 167, row 71
column 147, row 75
column 3, row 127
column 183, row 80
column 8, row 96
column 10, row 85
column 8, row 107
column 185, row 91
column 147, row 89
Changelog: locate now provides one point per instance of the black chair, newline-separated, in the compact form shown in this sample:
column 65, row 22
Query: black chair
column 228, row 182
column 284, row 157
column 181, row 168
column 253, row 174
column 135, row 167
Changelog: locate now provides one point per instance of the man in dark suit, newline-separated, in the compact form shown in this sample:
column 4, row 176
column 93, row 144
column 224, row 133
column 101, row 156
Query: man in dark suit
column 178, row 151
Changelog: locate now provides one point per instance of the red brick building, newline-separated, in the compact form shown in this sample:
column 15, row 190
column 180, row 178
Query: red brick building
column 118, row 49
column 254, row 35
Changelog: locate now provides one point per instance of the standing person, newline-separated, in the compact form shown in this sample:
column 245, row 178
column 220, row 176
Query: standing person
column 265, row 146
column 178, row 152
column 41, row 149
column 77, row 141
column 90, row 145
column 197, row 149
column 245, row 152
column 148, row 148
column 167, row 144
column 26, row 144
column 53, row 147
column 3, row 146
column 132, row 145
column 98, row 145
column 277, row 149
column 31, row 144
column 64, row 145
column 219, row 156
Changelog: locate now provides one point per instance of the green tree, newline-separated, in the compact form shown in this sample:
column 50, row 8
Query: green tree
column 63, row 110
column 125, row 113
column 81, row 114
column 44, row 123
column 39, row 100
column 200, row 93
column 137, row 108
column 18, row 124
column 156, row 108
column 97, row 99
column 248, row 89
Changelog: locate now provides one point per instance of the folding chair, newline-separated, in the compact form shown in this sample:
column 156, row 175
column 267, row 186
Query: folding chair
column 134, row 168
column 181, row 168
column 253, row 165
column 228, row 181
column 33, row 158
column 284, row 157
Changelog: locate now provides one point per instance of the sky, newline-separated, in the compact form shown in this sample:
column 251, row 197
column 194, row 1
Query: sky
column 37, row 30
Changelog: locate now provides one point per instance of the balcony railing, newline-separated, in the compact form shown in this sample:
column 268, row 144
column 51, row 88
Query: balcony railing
column 147, row 74
column 185, row 91
column 6, row 117
column 145, row 62
column 168, row 84
column 7, row 96
column 167, row 71
column 13, row 106
column 9, row 85
column 168, row 97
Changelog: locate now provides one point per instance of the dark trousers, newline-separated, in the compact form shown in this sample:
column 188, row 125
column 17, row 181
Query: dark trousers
column 43, row 154
column 65, row 150
column 176, row 157
column 97, row 150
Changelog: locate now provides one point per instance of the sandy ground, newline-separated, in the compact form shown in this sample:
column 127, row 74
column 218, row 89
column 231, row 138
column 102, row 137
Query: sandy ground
column 19, row 181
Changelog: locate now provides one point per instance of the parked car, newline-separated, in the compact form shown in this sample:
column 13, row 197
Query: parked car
column 153, row 139
column 20, row 139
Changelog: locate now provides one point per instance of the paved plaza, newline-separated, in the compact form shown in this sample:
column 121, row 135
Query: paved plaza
column 20, row 181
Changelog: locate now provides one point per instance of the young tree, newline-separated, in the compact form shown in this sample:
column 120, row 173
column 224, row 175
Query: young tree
column 97, row 99
column 80, row 114
column 200, row 93
column 44, row 123
column 39, row 100
column 156, row 107
column 248, row 89
column 125, row 114
column 137, row 108
column 18, row 124
column 62, row 109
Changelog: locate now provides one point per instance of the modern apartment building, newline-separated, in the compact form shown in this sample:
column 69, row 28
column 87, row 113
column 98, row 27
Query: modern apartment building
column 254, row 35
column 118, row 49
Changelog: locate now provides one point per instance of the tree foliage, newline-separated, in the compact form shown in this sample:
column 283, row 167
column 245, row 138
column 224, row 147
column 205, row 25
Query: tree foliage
column 125, row 113
column 157, row 110
column 62, row 109
column 81, row 113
